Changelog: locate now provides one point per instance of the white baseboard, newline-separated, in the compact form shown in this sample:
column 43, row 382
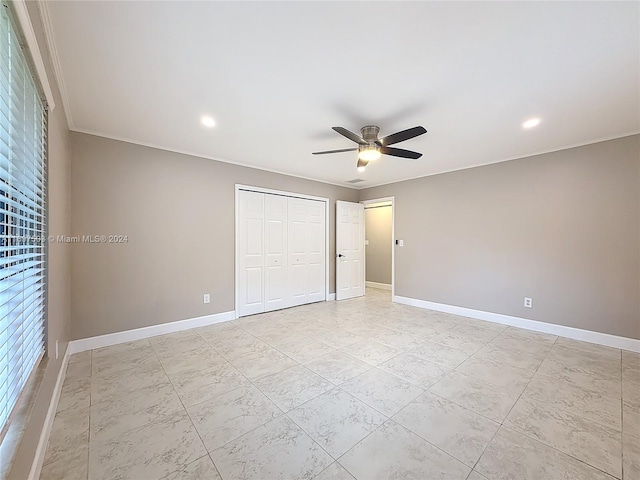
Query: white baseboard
column 605, row 339
column 331, row 297
column 41, row 449
column 84, row 344
column 380, row 286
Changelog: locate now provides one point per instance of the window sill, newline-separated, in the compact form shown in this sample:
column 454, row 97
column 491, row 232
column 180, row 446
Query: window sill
column 12, row 434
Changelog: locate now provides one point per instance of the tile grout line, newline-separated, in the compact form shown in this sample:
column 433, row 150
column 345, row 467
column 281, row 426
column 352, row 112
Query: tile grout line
column 540, row 441
column 155, row 353
column 90, row 405
column 512, row 407
column 334, row 386
column 561, row 452
column 529, row 381
column 621, row 417
column 188, row 415
column 69, row 408
column 390, row 419
column 283, row 413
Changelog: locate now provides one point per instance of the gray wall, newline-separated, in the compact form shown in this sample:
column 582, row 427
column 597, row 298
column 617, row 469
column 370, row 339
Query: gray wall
column 562, row 228
column 377, row 222
column 58, row 312
column 178, row 213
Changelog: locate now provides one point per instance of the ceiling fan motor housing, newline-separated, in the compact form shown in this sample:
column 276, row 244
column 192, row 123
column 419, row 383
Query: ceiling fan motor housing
column 370, row 133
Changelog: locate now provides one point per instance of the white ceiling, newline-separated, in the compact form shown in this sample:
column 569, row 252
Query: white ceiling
column 277, row 75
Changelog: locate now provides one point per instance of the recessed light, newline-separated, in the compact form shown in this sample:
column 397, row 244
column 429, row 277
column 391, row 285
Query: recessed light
column 208, row 121
column 361, row 169
column 531, row 123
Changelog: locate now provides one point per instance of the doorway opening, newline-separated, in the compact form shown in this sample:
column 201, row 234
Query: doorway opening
column 379, row 244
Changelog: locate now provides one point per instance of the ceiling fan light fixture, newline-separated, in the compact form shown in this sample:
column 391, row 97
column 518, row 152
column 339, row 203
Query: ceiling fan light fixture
column 369, row 153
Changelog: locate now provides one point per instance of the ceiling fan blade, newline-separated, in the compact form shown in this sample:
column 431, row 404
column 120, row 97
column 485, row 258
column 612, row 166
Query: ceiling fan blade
column 362, row 163
column 399, row 152
column 350, row 135
column 401, row 136
column 335, row 151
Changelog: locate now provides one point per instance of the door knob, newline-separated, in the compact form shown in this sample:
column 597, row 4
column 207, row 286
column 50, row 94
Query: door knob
column 340, row 255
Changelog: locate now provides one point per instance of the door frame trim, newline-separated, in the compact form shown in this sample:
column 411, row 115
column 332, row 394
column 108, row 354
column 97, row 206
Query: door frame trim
column 252, row 188
column 391, row 200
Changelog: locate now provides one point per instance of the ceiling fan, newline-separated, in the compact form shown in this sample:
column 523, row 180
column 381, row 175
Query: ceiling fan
column 370, row 147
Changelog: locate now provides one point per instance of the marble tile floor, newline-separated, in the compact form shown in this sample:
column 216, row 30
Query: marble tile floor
column 359, row 389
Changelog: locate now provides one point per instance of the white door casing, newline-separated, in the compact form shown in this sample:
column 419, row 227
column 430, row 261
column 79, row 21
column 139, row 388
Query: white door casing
column 389, row 201
column 350, row 275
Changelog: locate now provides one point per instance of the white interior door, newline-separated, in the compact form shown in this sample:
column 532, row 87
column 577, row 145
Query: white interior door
column 250, row 251
column 349, row 250
column 276, row 291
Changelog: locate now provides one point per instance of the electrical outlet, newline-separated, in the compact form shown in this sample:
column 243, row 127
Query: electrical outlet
column 528, row 302
column 57, row 349
column 207, row 298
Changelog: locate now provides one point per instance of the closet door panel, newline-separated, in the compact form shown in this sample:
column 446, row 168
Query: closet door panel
column 253, row 290
column 250, row 253
column 275, row 239
column 316, row 251
column 298, row 246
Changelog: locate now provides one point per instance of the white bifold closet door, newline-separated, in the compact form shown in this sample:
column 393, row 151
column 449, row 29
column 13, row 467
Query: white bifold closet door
column 281, row 252
column 306, row 250
column 276, row 291
column 251, row 252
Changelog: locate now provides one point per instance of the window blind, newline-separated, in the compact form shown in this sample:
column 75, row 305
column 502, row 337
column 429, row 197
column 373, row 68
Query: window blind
column 23, row 127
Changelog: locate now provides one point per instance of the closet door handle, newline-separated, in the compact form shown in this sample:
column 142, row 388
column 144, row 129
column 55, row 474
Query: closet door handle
column 340, row 255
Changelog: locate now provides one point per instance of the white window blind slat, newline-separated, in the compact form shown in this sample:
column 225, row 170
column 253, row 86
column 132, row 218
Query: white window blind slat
column 23, row 145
